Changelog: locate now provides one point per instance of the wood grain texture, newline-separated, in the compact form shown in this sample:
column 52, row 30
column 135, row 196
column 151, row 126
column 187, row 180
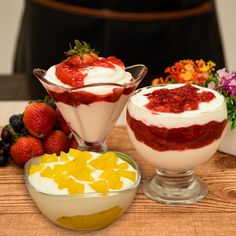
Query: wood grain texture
column 215, row 215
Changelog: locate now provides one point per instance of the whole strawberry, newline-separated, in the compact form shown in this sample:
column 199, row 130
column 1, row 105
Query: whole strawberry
column 62, row 123
column 25, row 148
column 39, row 119
column 56, row 142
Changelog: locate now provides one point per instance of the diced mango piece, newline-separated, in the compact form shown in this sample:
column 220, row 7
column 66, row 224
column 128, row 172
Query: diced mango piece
column 127, row 174
column 75, row 188
column 64, row 156
column 60, row 177
column 82, row 175
column 122, row 166
column 59, row 168
column 35, row 168
column 65, row 183
column 104, row 161
column 106, row 174
column 114, row 182
column 74, row 152
column 99, row 186
column 46, row 158
column 47, row 172
column 70, row 165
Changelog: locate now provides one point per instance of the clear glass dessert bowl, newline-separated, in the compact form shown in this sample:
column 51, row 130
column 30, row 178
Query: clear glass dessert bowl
column 83, row 211
column 92, row 110
column 175, row 142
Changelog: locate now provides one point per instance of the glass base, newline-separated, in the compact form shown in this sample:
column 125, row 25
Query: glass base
column 93, row 147
column 175, row 187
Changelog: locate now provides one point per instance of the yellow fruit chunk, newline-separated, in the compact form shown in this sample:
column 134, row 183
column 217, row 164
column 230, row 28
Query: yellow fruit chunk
column 83, row 174
column 74, row 152
column 46, row 158
column 106, row 174
column 47, row 172
column 99, row 186
column 85, row 155
column 122, row 166
column 65, row 183
column 70, row 165
column 114, row 182
column 105, row 161
column 64, row 156
column 75, row 188
column 59, row 168
column 94, row 221
column 35, row 168
column 127, row 174
column 58, row 178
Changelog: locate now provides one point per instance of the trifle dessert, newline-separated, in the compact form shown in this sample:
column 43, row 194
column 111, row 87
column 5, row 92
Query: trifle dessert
column 82, row 190
column 176, row 127
column 90, row 91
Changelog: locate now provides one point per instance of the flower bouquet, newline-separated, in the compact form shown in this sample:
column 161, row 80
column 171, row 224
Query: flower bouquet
column 204, row 74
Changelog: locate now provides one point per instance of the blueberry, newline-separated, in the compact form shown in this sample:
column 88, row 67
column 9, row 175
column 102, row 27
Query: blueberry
column 16, row 122
column 6, row 136
column 6, row 148
column 24, row 131
column 52, row 104
column 3, row 159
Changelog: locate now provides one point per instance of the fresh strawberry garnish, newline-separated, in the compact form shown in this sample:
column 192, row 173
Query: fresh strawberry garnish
column 62, row 123
column 81, row 55
column 70, row 71
column 26, row 148
column 39, row 119
column 56, row 142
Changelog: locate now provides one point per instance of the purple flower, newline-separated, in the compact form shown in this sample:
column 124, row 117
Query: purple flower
column 227, row 81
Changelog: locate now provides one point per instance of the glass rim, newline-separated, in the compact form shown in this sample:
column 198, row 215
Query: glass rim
column 183, row 114
column 40, row 74
column 131, row 161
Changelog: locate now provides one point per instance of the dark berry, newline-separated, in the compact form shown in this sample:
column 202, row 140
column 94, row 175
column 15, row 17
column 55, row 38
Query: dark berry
column 6, row 148
column 16, row 122
column 1, row 144
column 52, row 104
column 24, row 131
column 6, row 136
column 3, row 160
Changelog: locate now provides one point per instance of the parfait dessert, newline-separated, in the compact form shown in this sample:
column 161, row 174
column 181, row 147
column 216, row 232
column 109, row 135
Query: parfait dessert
column 176, row 128
column 90, row 91
column 82, row 190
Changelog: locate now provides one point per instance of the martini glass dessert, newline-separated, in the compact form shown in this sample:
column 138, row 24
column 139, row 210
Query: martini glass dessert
column 90, row 92
column 176, row 128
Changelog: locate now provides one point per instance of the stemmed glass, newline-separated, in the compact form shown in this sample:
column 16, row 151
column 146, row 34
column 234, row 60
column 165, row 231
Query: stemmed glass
column 193, row 139
column 92, row 110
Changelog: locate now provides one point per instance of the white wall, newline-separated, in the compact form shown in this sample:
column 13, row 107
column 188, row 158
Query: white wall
column 11, row 12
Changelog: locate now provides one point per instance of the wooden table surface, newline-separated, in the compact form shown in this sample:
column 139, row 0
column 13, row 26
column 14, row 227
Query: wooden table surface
column 215, row 215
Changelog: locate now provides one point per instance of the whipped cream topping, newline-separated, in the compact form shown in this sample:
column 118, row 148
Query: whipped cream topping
column 49, row 186
column 207, row 111
column 95, row 74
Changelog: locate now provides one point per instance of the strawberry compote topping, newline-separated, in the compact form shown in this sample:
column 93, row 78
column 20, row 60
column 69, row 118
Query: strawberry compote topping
column 178, row 100
column 72, row 74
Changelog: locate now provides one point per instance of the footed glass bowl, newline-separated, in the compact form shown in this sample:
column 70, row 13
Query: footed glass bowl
column 176, row 143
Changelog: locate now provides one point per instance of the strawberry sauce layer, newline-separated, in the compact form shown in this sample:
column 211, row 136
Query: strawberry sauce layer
column 86, row 98
column 74, row 75
column 163, row 139
column 178, row 100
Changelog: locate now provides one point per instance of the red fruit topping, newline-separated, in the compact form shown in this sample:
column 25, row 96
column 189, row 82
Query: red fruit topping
column 185, row 98
column 56, row 142
column 39, row 119
column 26, row 148
column 62, row 123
